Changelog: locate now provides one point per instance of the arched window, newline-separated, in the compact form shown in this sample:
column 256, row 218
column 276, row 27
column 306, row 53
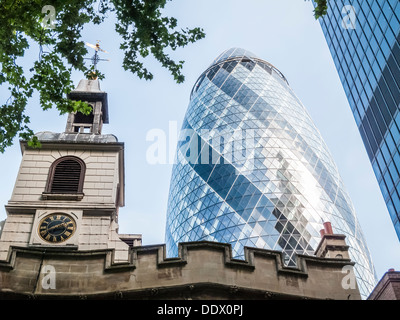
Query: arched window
column 66, row 176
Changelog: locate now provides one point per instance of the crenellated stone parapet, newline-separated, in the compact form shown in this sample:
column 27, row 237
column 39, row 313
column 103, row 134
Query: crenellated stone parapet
column 203, row 270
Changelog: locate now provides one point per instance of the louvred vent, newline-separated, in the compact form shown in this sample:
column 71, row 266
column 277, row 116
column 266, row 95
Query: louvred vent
column 66, row 177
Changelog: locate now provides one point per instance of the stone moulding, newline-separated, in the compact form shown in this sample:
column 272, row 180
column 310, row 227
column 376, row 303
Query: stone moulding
column 163, row 261
column 152, row 270
column 247, row 263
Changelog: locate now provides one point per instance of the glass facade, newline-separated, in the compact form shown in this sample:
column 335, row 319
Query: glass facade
column 252, row 169
column 364, row 39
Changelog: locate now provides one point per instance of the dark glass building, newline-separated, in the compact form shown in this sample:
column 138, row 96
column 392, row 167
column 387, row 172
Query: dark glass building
column 252, row 169
column 364, row 39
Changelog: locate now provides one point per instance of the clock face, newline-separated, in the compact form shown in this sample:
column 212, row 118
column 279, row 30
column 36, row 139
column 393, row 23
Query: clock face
column 57, row 227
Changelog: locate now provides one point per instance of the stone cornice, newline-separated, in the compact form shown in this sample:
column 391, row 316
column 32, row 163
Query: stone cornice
column 163, row 261
column 148, row 268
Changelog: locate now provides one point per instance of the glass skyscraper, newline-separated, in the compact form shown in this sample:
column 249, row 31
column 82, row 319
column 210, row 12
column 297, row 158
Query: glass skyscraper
column 364, row 39
column 252, row 169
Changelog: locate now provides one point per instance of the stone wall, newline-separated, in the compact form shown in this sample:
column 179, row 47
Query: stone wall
column 100, row 183
column 204, row 270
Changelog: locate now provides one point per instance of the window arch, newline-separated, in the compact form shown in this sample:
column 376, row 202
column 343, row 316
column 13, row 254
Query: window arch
column 66, row 175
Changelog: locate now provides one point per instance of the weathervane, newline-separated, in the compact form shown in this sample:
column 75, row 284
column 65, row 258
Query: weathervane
column 95, row 59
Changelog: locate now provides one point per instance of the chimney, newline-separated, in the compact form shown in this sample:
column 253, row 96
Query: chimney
column 328, row 228
column 332, row 245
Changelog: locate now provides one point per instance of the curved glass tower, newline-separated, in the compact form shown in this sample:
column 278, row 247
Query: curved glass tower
column 252, row 169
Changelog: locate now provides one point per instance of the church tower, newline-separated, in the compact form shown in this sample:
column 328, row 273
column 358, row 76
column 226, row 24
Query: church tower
column 68, row 192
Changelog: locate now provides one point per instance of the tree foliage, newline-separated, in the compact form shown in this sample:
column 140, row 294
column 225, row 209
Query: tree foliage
column 143, row 28
column 320, row 9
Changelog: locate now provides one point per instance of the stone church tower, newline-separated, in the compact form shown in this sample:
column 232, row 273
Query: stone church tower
column 68, row 192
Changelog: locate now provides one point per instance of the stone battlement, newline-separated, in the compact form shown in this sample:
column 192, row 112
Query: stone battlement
column 203, row 270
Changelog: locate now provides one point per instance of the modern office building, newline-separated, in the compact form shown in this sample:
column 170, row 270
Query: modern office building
column 364, row 39
column 252, row 169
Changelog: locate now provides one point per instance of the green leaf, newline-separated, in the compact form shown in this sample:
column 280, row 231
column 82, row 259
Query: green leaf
column 34, row 143
column 321, row 9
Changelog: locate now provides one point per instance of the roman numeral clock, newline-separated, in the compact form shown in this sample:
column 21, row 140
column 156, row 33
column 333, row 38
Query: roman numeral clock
column 56, row 228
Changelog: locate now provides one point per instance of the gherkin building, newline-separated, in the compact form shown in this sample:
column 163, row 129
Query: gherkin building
column 252, row 170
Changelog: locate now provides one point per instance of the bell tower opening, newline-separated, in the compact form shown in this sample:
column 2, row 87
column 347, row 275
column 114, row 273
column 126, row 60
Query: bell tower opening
column 83, row 123
column 88, row 91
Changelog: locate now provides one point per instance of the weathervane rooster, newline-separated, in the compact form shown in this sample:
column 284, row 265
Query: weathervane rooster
column 94, row 73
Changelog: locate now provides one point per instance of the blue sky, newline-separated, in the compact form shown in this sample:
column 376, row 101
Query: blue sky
column 283, row 33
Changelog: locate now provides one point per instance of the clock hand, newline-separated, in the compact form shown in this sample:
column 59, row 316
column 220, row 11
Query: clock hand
column 56, row 226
